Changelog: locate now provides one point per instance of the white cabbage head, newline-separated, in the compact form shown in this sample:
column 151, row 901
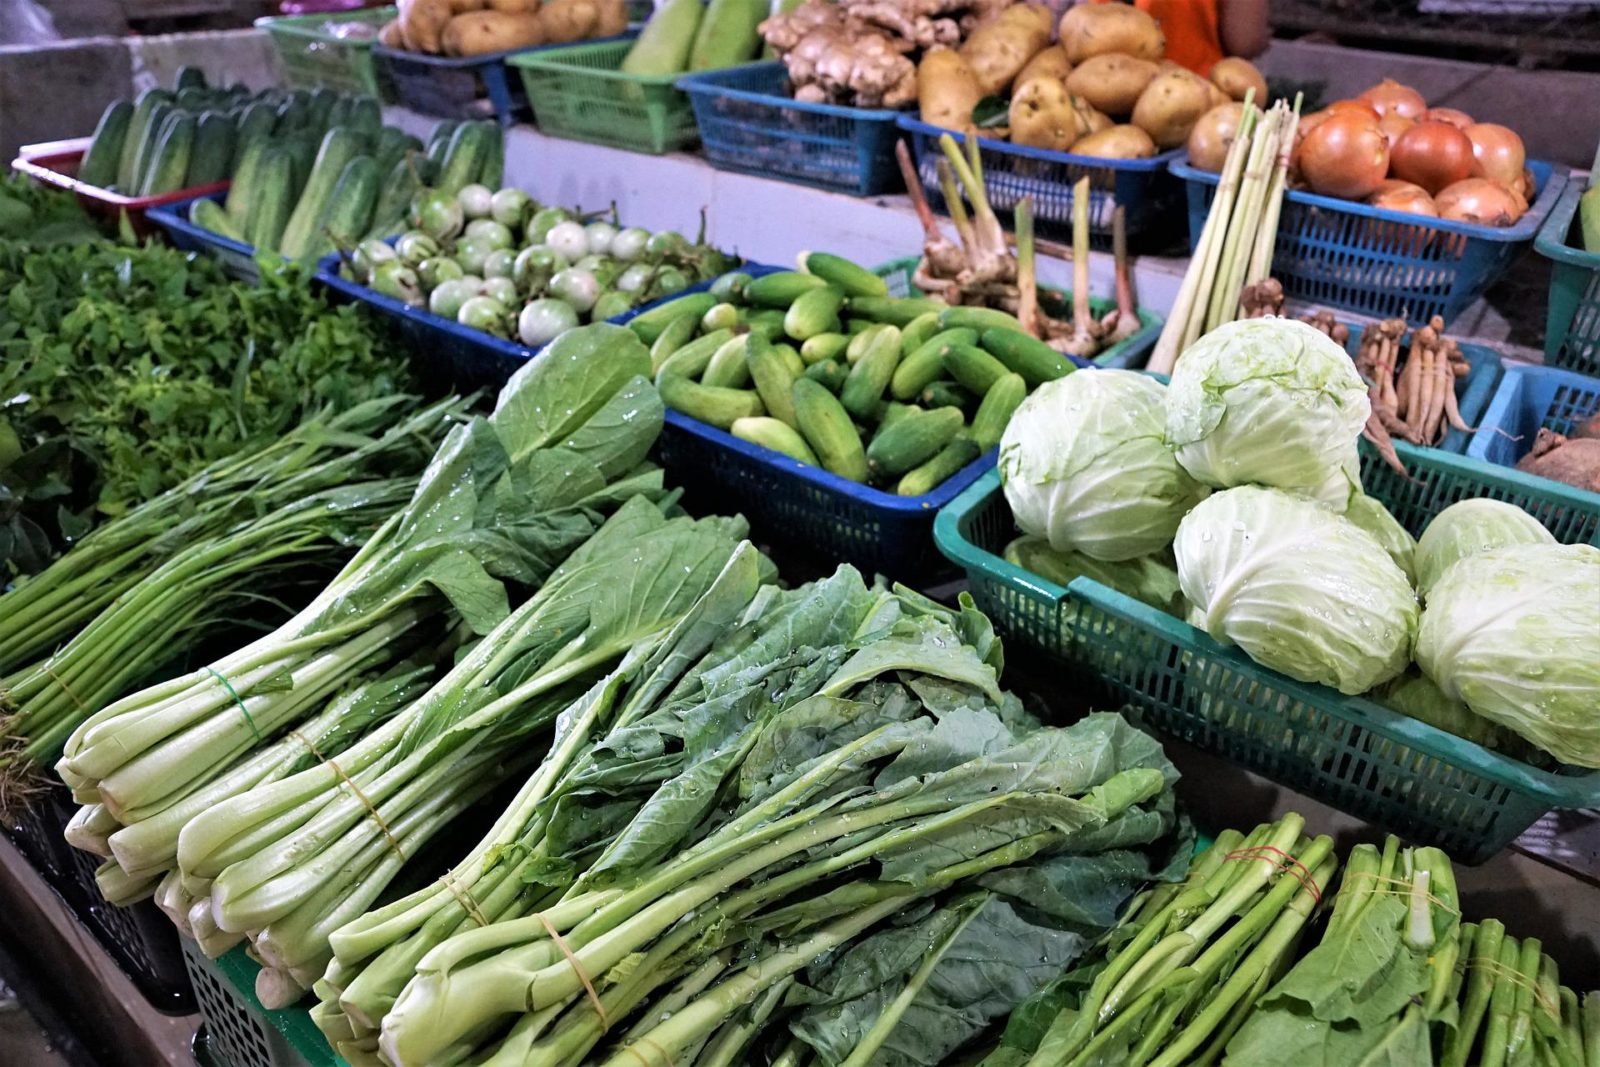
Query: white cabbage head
column 1299, row 588
column 1514, row 633
column 1469, row 527
column 1269, row 402
column 1085, row 465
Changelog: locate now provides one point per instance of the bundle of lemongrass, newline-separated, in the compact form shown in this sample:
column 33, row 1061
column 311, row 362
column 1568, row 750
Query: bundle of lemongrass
column 1236, row 246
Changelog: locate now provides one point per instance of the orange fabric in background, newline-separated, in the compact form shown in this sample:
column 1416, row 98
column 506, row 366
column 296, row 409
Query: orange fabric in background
column 1190, row 26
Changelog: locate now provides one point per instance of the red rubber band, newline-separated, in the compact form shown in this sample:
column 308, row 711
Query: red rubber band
column 1289, row 865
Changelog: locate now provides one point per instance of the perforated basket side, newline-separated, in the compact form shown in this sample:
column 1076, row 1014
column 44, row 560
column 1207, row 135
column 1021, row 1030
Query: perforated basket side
column 239, row 1034
column 1530, row 399
column 1350, row 752
column 141, row 940
column 311, row 57
column 749, row 123
column 578, row 92
column 1572, row 324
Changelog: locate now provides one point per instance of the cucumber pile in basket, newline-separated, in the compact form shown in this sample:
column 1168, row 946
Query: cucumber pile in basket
column 822, row 365
column 330, row 184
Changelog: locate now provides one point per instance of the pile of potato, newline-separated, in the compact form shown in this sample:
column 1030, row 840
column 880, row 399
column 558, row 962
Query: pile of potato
column 479, row 27
column 1102, row 89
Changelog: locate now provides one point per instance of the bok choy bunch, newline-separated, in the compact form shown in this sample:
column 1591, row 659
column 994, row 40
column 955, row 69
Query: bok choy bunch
column 149, row 585
column 504, row 499
column 723, row 822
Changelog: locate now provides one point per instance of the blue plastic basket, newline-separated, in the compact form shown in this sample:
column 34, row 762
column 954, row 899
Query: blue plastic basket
column 1530, row 399
column 1386, row 264
column 1130, row 353
column 749, row 123
column 468, row 87
column 1144, row 188
column 1572, row 325
column 449, row 354
column 237, row 259
column 1472, row 391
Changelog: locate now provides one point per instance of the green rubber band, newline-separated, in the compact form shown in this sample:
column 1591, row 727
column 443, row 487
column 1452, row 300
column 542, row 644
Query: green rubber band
column 242, row 709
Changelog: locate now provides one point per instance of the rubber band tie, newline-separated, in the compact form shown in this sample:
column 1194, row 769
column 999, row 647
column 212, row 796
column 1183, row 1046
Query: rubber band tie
column 355, row 790
column 1402, row 892
column 1286, row 864
column 588, row 986
column 1518, row 980
column 65, row 688
column 234, row 694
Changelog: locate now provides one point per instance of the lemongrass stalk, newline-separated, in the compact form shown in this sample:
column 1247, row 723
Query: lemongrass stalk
column 1267, row 235
column 957, row 208
column 1224, row 299
column 1194, row 292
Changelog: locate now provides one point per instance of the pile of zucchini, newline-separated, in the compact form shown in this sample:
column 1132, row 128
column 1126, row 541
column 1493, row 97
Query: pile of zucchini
column 308, row 196
column 823, row 366
column 194, row 135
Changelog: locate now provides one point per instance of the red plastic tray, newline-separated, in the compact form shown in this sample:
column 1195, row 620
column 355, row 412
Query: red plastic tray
column 56, row 163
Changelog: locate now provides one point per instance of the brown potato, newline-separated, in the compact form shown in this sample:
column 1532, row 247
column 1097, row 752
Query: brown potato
column 1236, row 77
column 947, row 90
column 480, row 32
column 1096, row 29
column 1111, row 82
column 1050, row 63
column 1042, row 116
column 1117, row 142
column 461, row 7
column 613, row 18
column 1090, row 119
column 514, row 7
column 390, row 36
column 569, row 20
column 1170, row 106
column 999, row 49
column 423, row 21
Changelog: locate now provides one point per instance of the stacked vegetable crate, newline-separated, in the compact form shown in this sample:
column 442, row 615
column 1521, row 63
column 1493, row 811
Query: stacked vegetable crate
column 241, row 1032
column 320, row 51
column 456, row 87
column 1387, row 264
column 1572, row 325
column 1530, row 399
column 749, row 122
column 579, row 92
column 1350, row 752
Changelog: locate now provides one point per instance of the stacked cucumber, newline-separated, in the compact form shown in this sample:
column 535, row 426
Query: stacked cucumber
column 336, row 182
column 497, row 261
column 822, row 365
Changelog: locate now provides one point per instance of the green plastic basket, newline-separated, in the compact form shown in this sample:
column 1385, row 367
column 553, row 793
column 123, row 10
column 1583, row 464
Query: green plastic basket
column 1350, row 752
column 241, row 1032
column 1129, row 353
column 578, row 93
column 1572, row 323
column 311, row 57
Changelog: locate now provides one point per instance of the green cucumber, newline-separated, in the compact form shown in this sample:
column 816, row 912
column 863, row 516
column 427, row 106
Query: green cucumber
column 241, row 194
column 709, row 404
column 728, row 368
column 463, row 160
column 775, row 434
column 814, row 312
column 207, row 214
column 213, row 150
column 133, row 142
column 773, row 377
column 170, row 163
column 190, row 77
column 819, row 347
column 946, row 395
column 839, row 272
column 915, row 333
column 257, row 120
column 339, row 146
column 160, row 116
column 895, row 310
column 791, row 359
column 389, row 214
column 348, row 212
column 863, row 390
column 827, row 428
column 99, row 166
column 928, row 477
column 691, row 360
column 677, row 334
column 974, row 368
column 913, row 439
column 1026, row 355
column 782, row 288
column 272, row 201
column 979, row 319
column 365, row 114
column 925, row 366
column 999, row 404
column 492, row 173
column 649, row 324
column 830, row 373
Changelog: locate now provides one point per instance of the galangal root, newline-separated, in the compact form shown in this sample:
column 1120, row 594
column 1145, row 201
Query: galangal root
column 980, row 269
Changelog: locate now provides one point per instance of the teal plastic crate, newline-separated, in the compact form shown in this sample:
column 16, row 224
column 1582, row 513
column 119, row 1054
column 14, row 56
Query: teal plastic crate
column 315, row 54
column 1572, row 323
column 1528, row 400
column 580, row 93
column 240, row 1032
column 1352, row 753
column 1129, row 353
